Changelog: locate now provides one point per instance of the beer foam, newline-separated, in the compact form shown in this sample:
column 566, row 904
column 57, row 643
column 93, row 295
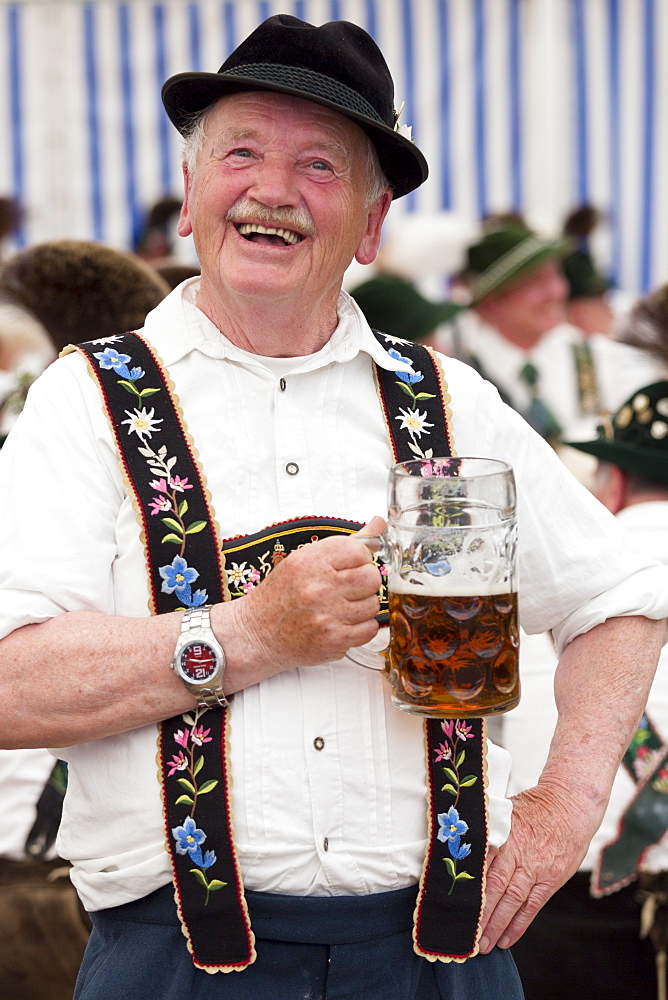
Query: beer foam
column 452, row 585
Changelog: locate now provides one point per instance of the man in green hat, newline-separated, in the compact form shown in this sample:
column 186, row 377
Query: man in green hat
column 586, row 941
column 515, row 333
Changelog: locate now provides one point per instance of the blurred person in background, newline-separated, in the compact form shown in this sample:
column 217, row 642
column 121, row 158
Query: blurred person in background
column 11, row 217
column 51, row 294
column 515, row 332
column 588, row 307
column 395, row 306
column 646, row 329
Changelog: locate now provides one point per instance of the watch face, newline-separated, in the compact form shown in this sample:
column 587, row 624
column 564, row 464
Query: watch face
column 198, row 662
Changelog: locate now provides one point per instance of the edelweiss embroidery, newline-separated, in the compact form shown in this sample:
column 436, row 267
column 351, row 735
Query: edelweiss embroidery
column 177, row 576
column 412, row 420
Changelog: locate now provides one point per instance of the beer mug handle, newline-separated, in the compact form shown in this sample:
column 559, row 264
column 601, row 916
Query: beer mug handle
column 372, row 655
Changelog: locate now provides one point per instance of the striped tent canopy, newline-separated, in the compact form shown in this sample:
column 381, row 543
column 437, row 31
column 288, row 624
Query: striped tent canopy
column 519, row 105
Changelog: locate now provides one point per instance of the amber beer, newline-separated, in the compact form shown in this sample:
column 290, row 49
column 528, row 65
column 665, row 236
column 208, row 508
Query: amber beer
column 453, row 656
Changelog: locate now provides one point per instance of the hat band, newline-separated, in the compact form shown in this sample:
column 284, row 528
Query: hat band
column 310, row 82
column 505, row 265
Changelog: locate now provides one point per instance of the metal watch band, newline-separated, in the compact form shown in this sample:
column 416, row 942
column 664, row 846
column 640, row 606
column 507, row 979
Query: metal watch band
column 193, row 620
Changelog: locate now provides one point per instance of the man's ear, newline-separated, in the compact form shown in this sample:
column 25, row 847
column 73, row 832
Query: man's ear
column 611, row 487
column 370, row 242
column 184, row 227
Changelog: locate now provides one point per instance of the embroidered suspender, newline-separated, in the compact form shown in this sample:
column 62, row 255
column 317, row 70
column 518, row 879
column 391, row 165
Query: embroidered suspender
column 645, row 820
column 170, row 496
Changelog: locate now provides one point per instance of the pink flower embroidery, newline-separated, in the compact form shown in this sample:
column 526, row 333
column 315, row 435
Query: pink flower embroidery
column 158, row 504
column 180, row 484
column 443, row 753
column 200, row 735
column 160, row 485
column 447, row 726
column 179, row 762
column 181, row 737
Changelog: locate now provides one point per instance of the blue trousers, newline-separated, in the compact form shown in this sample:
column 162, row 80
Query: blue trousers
column 308, row 948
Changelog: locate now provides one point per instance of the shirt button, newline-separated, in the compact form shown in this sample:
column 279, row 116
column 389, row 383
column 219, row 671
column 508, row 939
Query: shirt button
column 319, row 743
column 325, row 843
column 282, row 384
column 292, row 468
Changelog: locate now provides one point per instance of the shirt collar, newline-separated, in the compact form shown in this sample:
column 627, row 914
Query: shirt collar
column 180, row 327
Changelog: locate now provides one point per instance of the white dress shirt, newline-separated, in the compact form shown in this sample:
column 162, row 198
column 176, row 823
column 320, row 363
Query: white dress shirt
column 350, row 817
column 527, row 729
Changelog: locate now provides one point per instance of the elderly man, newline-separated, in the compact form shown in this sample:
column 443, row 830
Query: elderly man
column 294, row 820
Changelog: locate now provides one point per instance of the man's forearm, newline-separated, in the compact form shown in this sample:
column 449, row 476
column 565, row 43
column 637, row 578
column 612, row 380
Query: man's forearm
column 85, row 675
column 601, row 689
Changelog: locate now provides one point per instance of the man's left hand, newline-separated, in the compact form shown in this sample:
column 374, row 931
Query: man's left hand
column 548, row 839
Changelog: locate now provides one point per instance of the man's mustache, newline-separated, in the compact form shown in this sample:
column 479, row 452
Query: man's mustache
column 285, row 217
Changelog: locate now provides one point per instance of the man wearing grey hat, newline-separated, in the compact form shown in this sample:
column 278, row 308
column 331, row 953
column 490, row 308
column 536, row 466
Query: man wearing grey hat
column 247, row 814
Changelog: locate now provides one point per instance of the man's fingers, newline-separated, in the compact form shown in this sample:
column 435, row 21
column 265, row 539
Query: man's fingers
column 376, row 526
column 513, row 913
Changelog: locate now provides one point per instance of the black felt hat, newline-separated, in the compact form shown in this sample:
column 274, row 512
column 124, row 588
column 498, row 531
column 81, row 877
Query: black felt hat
column 336, row 64
column 636, row 438
column 584, row 279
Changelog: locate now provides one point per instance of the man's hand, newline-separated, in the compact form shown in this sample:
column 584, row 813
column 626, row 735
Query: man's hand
column 315, row 604
column 548, row 839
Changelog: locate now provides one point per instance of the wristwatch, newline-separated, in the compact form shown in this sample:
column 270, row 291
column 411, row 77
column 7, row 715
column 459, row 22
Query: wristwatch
column 199, row 660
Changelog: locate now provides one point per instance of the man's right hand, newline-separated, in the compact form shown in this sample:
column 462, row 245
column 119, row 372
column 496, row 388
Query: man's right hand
column 314, row 605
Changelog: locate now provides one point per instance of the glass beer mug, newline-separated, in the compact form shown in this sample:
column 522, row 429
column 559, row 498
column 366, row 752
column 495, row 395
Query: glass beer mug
column 450, row 548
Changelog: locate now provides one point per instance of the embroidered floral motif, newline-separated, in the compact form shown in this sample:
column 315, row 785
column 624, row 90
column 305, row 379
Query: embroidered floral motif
column 142, row 423
column 660, row 783
column 111, row 359
column 412, row 420
column 176, row 576
column 451, row 826
column 188, row 837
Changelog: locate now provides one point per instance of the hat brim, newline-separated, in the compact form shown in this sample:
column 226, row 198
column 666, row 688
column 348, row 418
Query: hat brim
column 188, row 94
column 649, row 463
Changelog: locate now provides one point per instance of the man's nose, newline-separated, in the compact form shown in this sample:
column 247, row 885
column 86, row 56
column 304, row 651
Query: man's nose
column 275, row 183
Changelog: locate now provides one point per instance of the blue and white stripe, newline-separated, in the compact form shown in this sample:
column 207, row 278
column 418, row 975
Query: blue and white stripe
column 533, row 105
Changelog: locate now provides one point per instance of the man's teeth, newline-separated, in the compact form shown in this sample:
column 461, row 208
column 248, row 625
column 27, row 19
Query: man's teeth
column 246, row 228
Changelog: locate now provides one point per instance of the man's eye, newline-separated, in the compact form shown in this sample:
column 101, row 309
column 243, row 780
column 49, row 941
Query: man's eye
column 241, row 152
column 320, row 165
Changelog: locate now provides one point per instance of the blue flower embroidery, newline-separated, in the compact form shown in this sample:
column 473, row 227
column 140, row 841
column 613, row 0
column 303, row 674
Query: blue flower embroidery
column 451, row 827
column 189, row 840
column 405, row 376
column 177, row 578
column 111, row 359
